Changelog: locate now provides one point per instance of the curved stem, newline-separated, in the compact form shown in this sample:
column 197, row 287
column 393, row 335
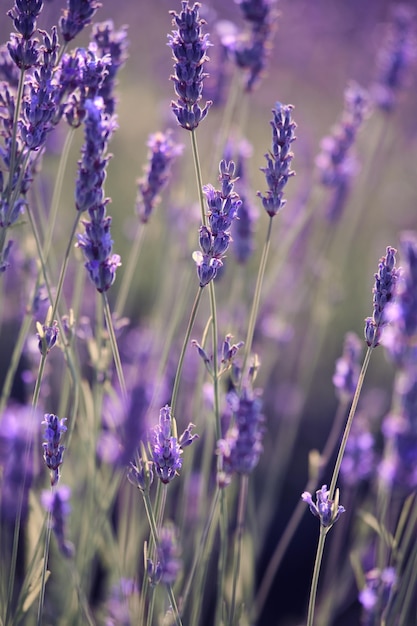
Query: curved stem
column 114, row 347
column 257, row 296
column 184, row 348
column 348, row 426
column 243, row 497
column 316, row 573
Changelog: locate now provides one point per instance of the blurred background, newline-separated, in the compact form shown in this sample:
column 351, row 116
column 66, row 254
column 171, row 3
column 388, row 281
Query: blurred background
column 318, row 48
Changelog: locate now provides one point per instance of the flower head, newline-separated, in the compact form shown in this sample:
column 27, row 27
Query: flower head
column 189, row 47
column 278, row 169
column 166, row 448
column 52, row 449
column 76, row 17
column 383, row 293
column 328, row 511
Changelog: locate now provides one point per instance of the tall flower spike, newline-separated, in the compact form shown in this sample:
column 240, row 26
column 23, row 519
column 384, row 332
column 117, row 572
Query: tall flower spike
column 166, row 448
column 278, row 169
column 189, row 47
column 252, row 54
column 23, row 48
column 396, row 55
column 162, row 151
column 336, row 163
column 383, row 293
column 223, row 208
column 241, row 448
column 52, row 449
column 76, row 17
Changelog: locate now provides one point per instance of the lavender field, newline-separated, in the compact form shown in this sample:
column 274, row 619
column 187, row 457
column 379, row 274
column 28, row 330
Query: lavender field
column 208, row 319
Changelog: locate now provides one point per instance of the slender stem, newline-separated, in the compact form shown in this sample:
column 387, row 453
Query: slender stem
column 114, row 347
column 348, row 426
column 198, row 176
column 129, row 271
column 257, row 296
column 221, row 566
column 45, row 565
column 184, row 348
column 64, row 266
column 316, row 573
column 243, row 497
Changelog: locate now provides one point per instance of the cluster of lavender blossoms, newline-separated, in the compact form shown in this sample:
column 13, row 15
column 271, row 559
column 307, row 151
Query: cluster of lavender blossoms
column 96, row 243
column 383, row 293
column 53, row 450
column 251, row 53
column 189, row 47
column 242, row 447
column 278, row 169
column 214, row 239
column 328, row 511
column 162, row 152
column 336, row 163
column 396, row 56
column 166, row 447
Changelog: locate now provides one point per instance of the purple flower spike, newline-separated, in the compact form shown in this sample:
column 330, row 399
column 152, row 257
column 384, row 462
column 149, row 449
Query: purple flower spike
column 166, row 449
column 56, row 502
column 52, row 449
column 383, row 293
column 223, row 208
column 162, row 151
column 278, row 170
column 396, row 56
column 76, row 17
column 328, row 511
column 168, row 555
column 189, row 47
column 240, row 450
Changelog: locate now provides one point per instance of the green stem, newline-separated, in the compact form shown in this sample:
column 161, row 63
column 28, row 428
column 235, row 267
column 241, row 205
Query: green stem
column 114, row 347
column 198, row 176
column 64, row 266
column 184, row 348
column 129, row 271
column 257, row 297
column 44, row 566
column 221, row 566
column 316, row 573
column 243, row 497
column 348, row 426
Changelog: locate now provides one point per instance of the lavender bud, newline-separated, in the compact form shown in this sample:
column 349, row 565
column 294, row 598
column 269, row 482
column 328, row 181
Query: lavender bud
column 52, row 450
column 328, row 511
column 383, row 293
column 47, row 336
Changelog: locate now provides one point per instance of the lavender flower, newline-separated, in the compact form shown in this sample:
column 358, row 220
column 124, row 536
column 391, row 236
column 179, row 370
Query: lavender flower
column 328, row 511
column 140, row 475
column 376, row 595
column 22, row 48
column 252, row 53
column 166, row 448
column 162, row 151
column 347, row 367
column 241, row 448
column 96, row 242
column 168, row 555
column 98, row 129
column 395, row 57
column 76, row 17
column 47, row 336
column 56, row 502
column 52, row 449
column 278, row 170
column 243, row 228
column 215, row 238
column 189, row 47
column 110, row 43
column 402, row 313
column 335, row 162
column 18, row 428
column 383, row 292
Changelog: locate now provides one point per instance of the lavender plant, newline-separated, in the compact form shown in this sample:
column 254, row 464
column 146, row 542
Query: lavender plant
column 207, row 327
